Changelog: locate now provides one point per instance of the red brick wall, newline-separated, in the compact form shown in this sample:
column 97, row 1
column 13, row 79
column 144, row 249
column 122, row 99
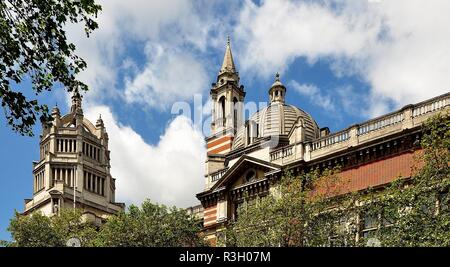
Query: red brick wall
column 379, row 172
column 371, row 174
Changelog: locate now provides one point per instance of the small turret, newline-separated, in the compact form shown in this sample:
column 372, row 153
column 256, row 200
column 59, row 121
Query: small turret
column 56, row 115
column 76, row 103
column 277, row 91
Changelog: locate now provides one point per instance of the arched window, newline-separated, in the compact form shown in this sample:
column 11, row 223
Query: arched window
column 250, row 176
column 235, row 112
column 222, row 110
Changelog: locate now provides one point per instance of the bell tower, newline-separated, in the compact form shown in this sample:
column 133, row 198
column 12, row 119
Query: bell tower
column 227, row 96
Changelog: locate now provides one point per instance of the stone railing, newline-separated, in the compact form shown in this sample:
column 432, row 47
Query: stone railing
column 377, row 124
column 431, row 105
column 215, row 176
column 408, row 117
column 331, row 139
column 281, row 153
column 196, row 211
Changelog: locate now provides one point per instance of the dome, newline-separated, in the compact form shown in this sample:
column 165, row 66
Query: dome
column 277, row 119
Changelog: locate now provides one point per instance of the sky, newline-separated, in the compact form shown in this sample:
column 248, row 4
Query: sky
column 343, row 62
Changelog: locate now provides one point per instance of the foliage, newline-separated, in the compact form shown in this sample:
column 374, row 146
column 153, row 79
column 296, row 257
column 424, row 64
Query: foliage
column 38, row 230
column 294, row 215
column 416, row 212
column 34, row 46
column 152, row 225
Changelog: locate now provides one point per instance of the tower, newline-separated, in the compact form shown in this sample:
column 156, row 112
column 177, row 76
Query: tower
column 227, row 96
column 74, row 163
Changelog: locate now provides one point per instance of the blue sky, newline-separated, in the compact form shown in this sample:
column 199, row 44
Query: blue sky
column 342, row 62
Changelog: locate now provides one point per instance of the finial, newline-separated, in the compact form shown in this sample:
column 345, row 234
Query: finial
column 56, row 104
column 277, row 77
column 99, row 122
column 228, row 40
column 55, row 110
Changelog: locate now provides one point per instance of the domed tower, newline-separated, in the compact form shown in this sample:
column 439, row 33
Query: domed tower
column 277, row 121
column 74, row 167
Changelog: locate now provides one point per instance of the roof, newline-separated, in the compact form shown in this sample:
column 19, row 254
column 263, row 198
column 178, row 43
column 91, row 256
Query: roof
column 277, row 119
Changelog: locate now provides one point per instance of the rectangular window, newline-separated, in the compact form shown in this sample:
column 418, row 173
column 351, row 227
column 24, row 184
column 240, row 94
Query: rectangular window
column 369, row 225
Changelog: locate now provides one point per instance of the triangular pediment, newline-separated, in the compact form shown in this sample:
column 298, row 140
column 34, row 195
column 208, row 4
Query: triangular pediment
column 238, row 171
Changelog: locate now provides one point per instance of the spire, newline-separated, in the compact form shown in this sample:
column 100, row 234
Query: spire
column 228, row 63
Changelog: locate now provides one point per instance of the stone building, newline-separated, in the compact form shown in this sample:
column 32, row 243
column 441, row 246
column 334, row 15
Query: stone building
column 74, row 164
column 247, row 156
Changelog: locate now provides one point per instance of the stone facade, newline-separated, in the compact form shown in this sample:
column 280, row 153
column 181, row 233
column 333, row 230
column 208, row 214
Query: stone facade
column 249, row 156
column 74, row 163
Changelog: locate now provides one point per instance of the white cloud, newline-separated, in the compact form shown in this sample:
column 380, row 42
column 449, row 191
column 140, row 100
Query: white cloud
column 314, row 94
column 277, row 32
column 350, row 99
column 170, row 172
column 175, row 25
column 401, row 48
column 168, row 76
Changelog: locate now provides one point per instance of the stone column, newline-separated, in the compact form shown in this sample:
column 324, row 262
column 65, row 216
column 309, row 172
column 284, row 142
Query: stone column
column 78, row 179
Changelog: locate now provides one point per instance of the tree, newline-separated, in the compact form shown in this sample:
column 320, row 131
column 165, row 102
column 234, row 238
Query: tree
column 34, row 47
column 415, row 211
column 301, row 212
column 38, row 230
column 152, row 225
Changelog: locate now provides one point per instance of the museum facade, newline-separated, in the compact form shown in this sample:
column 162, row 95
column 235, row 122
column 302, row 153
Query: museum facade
column 247, row 157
